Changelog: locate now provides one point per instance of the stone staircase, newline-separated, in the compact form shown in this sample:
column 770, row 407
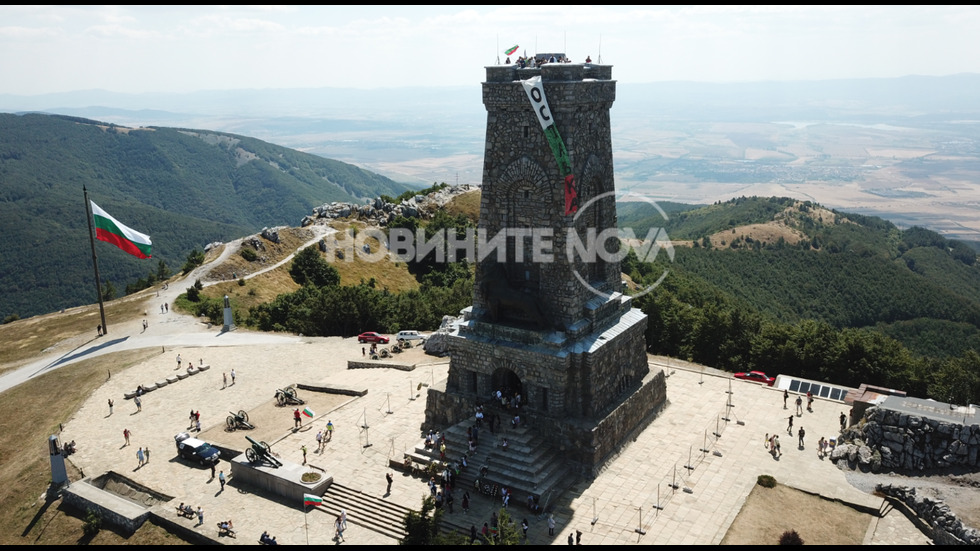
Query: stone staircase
column 365, row 510
column 527, row 467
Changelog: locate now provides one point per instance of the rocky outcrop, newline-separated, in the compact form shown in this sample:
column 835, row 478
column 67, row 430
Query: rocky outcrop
column 437, row 344
column 947, row 529
column 380, row 212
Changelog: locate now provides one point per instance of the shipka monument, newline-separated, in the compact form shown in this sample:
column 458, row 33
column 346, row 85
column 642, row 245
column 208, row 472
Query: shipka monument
column 556, row 330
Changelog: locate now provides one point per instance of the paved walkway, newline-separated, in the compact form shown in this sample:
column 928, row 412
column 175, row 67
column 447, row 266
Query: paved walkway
column 621, row 499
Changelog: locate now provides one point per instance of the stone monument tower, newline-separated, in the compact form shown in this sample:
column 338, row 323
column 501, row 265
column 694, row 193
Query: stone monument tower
column 554, row 329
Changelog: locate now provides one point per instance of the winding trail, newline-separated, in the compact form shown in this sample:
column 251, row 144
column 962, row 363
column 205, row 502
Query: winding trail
column 170, row 329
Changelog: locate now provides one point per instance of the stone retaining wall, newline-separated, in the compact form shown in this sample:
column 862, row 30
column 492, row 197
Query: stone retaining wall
column 946, row 529
column 912, row 443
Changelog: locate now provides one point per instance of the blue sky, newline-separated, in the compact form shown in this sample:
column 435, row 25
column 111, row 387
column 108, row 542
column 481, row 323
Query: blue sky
column 135, row 49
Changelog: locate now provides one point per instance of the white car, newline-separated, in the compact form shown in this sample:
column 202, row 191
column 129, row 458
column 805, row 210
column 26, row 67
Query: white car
column 409, row 336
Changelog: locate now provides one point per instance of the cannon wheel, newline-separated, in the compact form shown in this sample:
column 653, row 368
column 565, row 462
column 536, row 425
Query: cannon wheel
column 251, row 455
column 231, row 422
column 290, row 393
column 281, row 397
column 268, row 450
column 242, row 415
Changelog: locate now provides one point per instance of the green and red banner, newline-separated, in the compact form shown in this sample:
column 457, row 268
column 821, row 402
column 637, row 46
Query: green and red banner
column 535, row 93
column 310, row 499
column 110, row 230
column 511, row 50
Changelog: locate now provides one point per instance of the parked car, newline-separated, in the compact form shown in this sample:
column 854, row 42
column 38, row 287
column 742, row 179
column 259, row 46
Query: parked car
column 371, row 336
column 756, row 376
column 193, row 449
column 409, row 336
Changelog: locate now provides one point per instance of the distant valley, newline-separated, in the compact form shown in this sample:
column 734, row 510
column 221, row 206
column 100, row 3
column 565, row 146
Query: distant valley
column 905, row 149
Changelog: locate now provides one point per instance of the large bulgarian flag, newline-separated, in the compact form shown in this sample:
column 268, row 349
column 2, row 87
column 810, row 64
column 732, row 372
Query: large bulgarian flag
column 110, row 230
column 308, row 412
column 310, row 499
column 511, row 50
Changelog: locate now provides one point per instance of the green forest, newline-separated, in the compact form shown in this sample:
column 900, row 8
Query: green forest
column 184, row 188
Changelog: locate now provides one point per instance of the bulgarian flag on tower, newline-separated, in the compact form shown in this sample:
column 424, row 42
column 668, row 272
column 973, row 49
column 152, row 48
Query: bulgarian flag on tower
column 110, row 230
column 511, row 50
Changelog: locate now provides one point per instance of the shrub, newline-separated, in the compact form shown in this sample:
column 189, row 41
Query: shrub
column 766, row 481
column 241, row 282
column 790, row 537
column 93, row 523
column 249, row 254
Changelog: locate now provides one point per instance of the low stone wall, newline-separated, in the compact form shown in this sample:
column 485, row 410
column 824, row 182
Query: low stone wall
column 945, row 528
column 374, row 364
column 912, row 443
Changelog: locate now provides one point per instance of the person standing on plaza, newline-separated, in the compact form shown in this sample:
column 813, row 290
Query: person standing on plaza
column 319, row 441
column 139, row 403
column 524, row 528
column 329, row 430
column 801, row 433
column 297, row 420
column 776, row 446
column 551, row 525
column 466, row 502
column 126, row 435
column 789, row 427
column 110, row 406
column 809, row 402
column 146, row 452
column 221, row 479
column 389, row 479
column 233, row 376
column 224, row 380
column 213, row 469
column 178, row 362
column 843, row 419
column 139, row 456
column 340, row 528
column 799, row 405
column 785, row 397
column 200, row 516
column 303, row 449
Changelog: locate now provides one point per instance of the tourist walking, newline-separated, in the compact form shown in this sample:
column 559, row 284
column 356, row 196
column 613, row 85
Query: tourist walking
column 339, row 525
column 200, row 516
column 390, row 479
column 785, row 397
column 329, row 430
column 801, row 433
column 789, row 427
column 297, row 420
column 224, row 380
column 126, row 435
column 319, row 441
column 139, row 456
column 232, row 376
column 303, row 448
column 178, row 362
column 843, row 419
column 146, row 452
column 221, row 479
column 110, row 406
column 139, row 403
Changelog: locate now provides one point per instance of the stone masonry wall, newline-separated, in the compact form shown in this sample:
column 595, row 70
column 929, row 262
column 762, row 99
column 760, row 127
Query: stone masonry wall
column 913, row 443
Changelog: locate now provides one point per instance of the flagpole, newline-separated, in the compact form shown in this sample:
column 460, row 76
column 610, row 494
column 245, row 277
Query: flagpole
column 305, row 524
column 95, row 261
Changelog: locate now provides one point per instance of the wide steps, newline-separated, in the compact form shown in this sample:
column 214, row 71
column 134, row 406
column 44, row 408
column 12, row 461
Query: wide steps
column 366, row 510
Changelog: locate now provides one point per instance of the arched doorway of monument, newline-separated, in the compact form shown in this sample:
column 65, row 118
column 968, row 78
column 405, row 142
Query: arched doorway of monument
column 509, row 385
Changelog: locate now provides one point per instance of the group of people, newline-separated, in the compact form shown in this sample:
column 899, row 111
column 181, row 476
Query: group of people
column 195, row 418
column 530, row 62
column 266, row 539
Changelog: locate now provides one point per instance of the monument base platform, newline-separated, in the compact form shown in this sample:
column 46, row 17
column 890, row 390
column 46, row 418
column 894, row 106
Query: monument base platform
column 286, row 481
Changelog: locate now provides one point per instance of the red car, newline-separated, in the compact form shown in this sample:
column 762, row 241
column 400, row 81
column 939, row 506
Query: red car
column 756, row 376
column 371, row 336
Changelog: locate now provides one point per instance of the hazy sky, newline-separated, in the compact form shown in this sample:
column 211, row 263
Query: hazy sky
column 185, row 48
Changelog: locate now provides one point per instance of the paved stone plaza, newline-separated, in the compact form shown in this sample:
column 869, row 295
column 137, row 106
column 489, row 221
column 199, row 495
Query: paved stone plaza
column 620, row 499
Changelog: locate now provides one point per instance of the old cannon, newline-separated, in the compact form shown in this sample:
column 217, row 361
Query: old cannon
column 238, row 420
column 288, row 397
column 260, row 451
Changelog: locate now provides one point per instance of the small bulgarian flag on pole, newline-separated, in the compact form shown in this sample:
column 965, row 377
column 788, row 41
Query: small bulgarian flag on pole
column 511, row 50
column 308, row 412
column 310, row 499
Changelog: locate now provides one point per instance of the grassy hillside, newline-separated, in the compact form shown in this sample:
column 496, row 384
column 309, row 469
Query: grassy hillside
column 185, row 188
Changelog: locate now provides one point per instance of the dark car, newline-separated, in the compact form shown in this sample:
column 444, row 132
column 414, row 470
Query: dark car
column 196, row 450
column 756, row 376
column 371, row 336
